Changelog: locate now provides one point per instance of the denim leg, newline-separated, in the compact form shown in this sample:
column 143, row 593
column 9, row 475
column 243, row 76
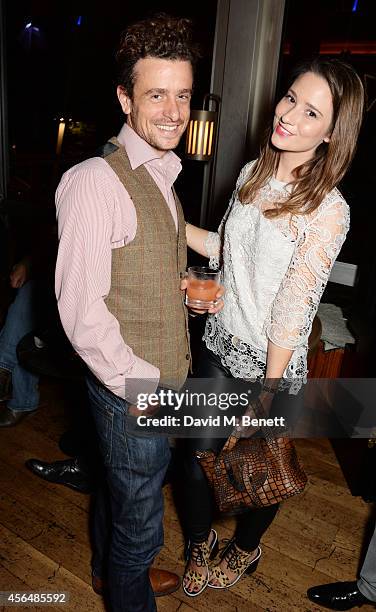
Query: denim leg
column 367, row 580
column 20, row 320
column 135, row 469
column 101, row 531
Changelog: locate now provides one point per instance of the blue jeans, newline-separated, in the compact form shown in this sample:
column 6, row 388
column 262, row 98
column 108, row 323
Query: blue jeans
column 135, row 469
column 367, row 580
column 20, row 320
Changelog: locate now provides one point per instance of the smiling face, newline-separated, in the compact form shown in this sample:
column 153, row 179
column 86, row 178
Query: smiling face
column 303, row 118
column 160, row 105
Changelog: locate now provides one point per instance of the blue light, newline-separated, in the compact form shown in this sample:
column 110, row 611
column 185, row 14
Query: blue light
column 79, row 19
column 28, row 25
column 355, row 6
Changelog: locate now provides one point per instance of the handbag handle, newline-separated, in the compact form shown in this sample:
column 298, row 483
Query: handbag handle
column 240, row 486
column 230, row 443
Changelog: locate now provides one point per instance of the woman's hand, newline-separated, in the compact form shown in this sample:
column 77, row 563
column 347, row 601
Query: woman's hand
column 218, row 297
column 257, row 409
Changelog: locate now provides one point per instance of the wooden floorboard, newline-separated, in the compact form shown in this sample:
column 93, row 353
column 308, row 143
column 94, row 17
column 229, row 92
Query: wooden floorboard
column 45, row 544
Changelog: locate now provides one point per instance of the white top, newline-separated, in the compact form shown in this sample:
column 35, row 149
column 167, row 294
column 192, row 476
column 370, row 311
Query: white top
column 274, row 272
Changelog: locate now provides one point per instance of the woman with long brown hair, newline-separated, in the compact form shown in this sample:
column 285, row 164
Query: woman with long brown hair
column 280, row 236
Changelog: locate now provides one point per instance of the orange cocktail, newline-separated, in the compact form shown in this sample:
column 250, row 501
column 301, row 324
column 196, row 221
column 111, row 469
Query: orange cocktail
column 203, row 285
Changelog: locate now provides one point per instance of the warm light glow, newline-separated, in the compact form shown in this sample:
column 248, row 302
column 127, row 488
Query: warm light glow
column 190, row 130
column 194, row 137
column 201, row 132
column 199, row 137
column 211, row 137
column 355, row 48
column 365, row 47
column 60, row 136
column 205, row 148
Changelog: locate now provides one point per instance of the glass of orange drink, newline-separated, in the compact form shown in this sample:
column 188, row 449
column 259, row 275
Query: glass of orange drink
column 203, row 284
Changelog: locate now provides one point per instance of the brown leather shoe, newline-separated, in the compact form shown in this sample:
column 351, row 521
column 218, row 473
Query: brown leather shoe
column 99, row 585
column 162, row 582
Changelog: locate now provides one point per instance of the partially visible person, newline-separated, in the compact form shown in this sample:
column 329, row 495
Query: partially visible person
column 19, row 391
column 348, row 595
column 282, row 232
column 75, row 473
column 5, row 289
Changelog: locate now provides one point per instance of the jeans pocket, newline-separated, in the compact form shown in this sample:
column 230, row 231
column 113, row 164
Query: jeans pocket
column 131, row 427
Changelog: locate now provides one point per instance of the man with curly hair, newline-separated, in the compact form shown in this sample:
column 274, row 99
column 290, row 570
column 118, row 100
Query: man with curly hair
column 121, row 256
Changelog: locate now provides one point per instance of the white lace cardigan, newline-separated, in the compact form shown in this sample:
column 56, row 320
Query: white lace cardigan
column 274, row 272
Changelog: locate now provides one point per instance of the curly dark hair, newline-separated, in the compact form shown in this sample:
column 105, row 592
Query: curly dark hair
column 161, row 36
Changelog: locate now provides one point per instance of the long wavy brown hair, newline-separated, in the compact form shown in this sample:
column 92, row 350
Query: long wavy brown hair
column 314, row 179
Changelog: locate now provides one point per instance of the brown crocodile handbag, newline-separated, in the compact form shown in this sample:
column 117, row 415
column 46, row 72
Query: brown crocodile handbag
column 253, row 472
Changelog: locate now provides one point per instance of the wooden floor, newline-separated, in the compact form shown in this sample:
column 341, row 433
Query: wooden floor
column 44, row 541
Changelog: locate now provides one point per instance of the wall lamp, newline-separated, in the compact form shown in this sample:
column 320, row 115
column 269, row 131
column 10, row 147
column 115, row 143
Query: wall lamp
column 202, row 129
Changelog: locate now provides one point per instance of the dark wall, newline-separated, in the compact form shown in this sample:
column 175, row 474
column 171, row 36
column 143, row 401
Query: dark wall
column 68, row 69
column 338, row 26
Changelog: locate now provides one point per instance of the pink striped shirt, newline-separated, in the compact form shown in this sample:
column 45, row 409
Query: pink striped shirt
column 95, row 215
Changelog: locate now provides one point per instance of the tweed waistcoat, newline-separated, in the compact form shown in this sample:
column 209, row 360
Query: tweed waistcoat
column 145, row 295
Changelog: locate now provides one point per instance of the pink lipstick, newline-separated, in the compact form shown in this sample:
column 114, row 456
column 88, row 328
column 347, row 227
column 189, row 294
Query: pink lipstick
column 281, row 131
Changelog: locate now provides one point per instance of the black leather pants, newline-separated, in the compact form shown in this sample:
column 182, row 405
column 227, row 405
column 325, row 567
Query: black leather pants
column 197, row 495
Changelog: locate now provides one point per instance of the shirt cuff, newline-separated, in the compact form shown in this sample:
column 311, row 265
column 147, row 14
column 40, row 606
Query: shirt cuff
column 143, row 378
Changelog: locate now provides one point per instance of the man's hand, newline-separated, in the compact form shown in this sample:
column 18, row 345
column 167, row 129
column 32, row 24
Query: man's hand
column 219, row 299
column 19, row 275
column 150, row 410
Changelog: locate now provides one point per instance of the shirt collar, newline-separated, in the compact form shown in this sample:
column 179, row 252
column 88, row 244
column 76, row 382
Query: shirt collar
column 140, row 152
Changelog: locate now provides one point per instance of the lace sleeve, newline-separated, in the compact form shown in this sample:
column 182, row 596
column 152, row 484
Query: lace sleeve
column 298, row 297
column 213, row 249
